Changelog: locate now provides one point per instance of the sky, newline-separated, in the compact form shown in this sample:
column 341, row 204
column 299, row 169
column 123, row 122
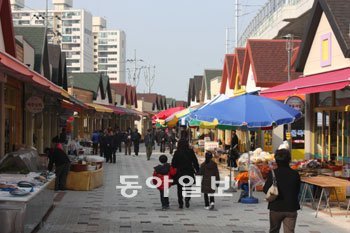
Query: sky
column 180, row 38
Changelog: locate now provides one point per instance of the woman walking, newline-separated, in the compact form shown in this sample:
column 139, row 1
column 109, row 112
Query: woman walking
column 284, row 208
column 186, row 163
column 210, row 172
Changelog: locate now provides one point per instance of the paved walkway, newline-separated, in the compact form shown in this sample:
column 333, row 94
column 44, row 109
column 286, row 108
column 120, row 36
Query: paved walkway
column 105, row 210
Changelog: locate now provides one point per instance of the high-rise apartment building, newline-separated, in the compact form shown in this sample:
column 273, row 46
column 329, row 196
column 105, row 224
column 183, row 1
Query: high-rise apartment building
column 109, row 51
column 70, row 28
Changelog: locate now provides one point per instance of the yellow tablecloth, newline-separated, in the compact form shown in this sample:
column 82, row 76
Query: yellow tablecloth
column 84, row 181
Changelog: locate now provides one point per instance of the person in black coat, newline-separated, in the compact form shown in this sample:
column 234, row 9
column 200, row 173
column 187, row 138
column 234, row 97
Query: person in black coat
column 208, row 170
column 109, row 147
column 186, row 163
column 119, row 139
column 162, row 140
column 234, row 140
column 136, row 138
column 61, row 161
column 284, row 208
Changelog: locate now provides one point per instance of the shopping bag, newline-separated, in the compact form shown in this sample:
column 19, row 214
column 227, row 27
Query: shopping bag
column 272, row 192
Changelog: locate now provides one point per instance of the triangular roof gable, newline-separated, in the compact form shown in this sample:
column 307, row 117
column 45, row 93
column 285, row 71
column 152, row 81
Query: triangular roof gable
column 64, row 71
column 7, row 27
column 237, row 66
column 337, row 13
column 54, row 52
column 36, row 36
column 107, row 88
column 226, row 71
column 209, row 74
column 268, row 59
column 120, row 89
column 191, row 91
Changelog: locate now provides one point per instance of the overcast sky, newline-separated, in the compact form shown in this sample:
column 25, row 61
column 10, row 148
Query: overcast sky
column 180, row 37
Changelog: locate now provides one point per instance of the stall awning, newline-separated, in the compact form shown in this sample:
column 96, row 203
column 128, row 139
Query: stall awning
column 330, row 81
column 20, row 71
column 100, row 108
column 115, row 109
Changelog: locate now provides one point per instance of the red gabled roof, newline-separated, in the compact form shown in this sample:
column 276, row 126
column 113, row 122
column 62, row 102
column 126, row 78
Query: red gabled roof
column 7, row 27
column 180, row 103
column 119, row 88
column 132, row 95
column 268, row 59
column 226, row 72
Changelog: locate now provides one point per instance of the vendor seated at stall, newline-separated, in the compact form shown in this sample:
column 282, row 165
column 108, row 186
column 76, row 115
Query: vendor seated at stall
column 58, row 157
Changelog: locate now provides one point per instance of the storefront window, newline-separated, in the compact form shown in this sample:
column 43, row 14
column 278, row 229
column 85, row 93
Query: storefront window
column 318, row 135
column 324, row 99
column 342, row 97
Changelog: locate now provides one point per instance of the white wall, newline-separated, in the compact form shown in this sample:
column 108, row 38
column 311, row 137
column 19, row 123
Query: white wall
column 2, row 43
column 87, row 40
column 313, row 62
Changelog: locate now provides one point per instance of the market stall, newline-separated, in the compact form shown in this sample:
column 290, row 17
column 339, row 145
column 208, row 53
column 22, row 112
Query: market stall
column 24, row 195
column 86, row 174
column 328, row 187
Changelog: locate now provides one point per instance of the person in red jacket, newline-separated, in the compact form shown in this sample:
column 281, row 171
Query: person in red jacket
column 164, row 172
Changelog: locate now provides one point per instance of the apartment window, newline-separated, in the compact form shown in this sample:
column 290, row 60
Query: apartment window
column 66, row 39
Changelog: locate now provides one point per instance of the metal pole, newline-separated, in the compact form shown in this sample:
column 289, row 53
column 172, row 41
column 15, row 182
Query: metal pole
column 290, row 51
column 46, row 14
column 135, row 68
column 237, row 19
column 227, row 40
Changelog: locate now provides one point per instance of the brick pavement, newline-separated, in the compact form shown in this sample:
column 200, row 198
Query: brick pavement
column 105, row 210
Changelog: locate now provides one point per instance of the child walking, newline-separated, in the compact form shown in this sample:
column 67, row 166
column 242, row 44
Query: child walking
column 161, row 171
column 208, row 170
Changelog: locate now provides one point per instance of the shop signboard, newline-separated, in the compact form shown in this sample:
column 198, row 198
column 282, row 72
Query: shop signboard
column 295, row 102
column 35, row 104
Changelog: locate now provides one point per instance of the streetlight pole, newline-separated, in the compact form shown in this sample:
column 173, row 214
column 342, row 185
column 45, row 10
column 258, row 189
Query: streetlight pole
column 289, row 48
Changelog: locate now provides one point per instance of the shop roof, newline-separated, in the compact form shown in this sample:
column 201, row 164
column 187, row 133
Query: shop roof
column 209, row 75
column 268, row 59
column 92, row 82
column 36, row 37
column 337, row 13
column 7, row 27
column 227, row 70
column 191, row 91
column 55, row 62
column 198, row 81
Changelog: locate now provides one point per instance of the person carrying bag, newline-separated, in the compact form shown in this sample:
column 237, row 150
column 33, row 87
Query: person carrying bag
column 282, row 188
column 272, row 192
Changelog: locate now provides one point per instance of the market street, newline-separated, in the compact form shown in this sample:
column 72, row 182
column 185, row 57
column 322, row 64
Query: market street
column 106, row 210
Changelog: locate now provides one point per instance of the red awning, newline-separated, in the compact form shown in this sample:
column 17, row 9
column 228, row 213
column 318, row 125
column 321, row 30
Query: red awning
column 116, row 110
column 20, row 71
column 330, row 81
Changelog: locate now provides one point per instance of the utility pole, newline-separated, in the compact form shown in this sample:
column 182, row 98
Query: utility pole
column 136, row 75
column 227, row 40
column 237, row 19
column 149, row 77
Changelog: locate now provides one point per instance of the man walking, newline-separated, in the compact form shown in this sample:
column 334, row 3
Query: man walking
column 127, row 142
column 149, row 143
column 136, row 137
column 95, row 138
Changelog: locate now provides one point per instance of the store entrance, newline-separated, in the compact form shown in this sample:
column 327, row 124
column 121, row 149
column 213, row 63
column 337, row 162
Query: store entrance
column 332, row 135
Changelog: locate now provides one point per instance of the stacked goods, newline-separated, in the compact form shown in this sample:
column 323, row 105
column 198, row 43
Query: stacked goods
column 256, row 157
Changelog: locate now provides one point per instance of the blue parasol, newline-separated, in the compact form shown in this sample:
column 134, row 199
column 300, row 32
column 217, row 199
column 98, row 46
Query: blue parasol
column 249, row 111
